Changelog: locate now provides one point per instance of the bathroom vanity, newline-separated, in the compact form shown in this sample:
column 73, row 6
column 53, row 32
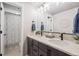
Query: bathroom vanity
column 36, row 48
column 42, row 46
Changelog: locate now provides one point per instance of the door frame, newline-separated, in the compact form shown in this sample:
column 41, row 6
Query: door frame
column 2, row 28
column 3, row 25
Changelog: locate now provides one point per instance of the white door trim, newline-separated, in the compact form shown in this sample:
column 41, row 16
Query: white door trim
column 2, row 28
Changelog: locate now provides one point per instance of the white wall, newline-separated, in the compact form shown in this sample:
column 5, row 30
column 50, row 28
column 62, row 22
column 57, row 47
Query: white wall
column 63, row 22
column 27, row 17
column 27, row 22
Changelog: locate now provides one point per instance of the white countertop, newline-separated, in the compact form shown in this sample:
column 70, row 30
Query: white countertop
column 66, row 46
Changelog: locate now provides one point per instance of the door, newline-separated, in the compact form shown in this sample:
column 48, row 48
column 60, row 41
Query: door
column 12, row 29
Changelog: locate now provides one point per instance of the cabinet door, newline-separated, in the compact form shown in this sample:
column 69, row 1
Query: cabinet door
column 34, row 54
column 35, row 50
column 35, row 42
column 43, row 47
column 42, row 53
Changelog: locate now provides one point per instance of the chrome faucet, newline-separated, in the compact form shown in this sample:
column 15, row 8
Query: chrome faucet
column 62, row 36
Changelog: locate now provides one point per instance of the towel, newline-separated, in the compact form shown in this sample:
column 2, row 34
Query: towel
column 76, row 23
column 33, row 27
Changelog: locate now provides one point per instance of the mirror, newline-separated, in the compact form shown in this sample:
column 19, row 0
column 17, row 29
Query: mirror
column 57, row 16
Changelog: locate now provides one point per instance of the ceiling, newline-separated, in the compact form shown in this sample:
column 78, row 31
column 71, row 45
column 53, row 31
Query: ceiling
column 36, row 4
column 55, row 7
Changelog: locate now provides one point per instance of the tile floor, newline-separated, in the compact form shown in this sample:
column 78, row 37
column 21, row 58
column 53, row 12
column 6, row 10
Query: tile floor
column 13, row 51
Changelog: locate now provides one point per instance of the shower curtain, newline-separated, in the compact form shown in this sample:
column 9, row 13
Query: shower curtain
column 13, row 28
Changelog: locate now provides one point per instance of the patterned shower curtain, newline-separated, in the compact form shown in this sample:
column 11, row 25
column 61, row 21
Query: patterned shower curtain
column 13, row 29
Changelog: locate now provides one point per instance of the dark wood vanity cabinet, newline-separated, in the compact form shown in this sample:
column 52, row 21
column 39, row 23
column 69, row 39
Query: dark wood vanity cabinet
column 36, row 48
column 32, row 47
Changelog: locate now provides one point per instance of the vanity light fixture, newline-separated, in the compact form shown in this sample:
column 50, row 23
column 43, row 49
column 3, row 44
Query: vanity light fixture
column 45, row 6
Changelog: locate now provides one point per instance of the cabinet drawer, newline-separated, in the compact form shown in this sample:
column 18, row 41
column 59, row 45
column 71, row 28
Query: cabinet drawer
column 34, row 53
column 42, row 53
column 35, row 49
column 62, row 54
column 34, row 42
column 43, row 47
column 55, row 52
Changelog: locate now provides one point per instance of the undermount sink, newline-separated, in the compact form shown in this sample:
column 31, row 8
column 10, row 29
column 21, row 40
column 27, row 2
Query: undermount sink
column 50, row 39
column 47, row 36
column 53, row 39
column 58, row 41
